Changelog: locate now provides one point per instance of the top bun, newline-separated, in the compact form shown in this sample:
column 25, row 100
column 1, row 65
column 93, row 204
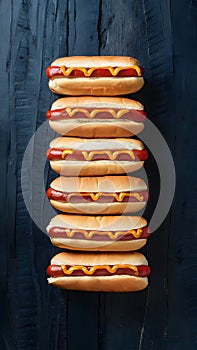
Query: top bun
column 108, row 184
column 96, row 144
column 99, row 259
column 95, row 61
column 99, row 222
column 97, row 102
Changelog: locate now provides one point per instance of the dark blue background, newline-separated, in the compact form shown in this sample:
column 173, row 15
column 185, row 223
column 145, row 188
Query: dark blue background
column 163, row 35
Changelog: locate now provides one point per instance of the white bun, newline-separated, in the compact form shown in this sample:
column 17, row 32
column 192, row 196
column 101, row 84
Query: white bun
column 97, row 102
column 96, row 128
column 101, row 284
column 98, row 208
column 95, row 61
column 100, row 246
column 108, row 184
column 96, row 144
column 78, row 168
column 102, row 224
column 105, row 86
column 96, row 86
column 117, row 283
column 95, row 259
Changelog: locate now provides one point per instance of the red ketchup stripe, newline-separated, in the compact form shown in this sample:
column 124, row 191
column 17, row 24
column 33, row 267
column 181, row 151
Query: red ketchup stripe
column 57, row 271
column 80, row 197
column 55, row 71
column 61, row 114
column 56, row 154
column 60, row 232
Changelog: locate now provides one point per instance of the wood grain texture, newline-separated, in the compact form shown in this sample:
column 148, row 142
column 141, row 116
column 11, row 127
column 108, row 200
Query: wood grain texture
column 27, row 52
column 162, row 34
column 123, row 314
column 182, row 242
column 83, row 308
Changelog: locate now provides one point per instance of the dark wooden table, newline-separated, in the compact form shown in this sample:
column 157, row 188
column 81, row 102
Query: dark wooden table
column 163, row 35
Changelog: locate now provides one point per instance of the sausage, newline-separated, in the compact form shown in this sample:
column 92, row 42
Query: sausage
column 57, row 271
column 57, row 154
column 55, row 71
column 81, row 112
column 102, row 197
column 60, row 232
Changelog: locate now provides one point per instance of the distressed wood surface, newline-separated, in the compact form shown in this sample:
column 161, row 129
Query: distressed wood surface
column 162, row 34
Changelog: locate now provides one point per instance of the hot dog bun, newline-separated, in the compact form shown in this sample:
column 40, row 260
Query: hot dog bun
column 95, row 86
column 109, row 229
column 103, row 184
column 96, row 61
column 96, row 144
column 95, row 168
column 115, row 283
column 92, row 127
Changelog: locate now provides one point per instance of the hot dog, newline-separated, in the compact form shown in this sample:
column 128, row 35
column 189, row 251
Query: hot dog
column 114, row 272
column 95, row 75
column 92, row 157
column 94, row 117
column 98, row 195
column 98, row 233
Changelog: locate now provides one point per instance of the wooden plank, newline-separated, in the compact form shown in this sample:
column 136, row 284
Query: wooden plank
column 83, row 307
column 134, row 320
column 122, row 32
column 182, row 299
column 83, row 27
column 28, row 50
column 7, row 177
column 33, row 314
column 158, row 102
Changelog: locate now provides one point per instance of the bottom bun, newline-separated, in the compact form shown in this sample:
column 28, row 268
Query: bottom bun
column 101, row 283
column 85, row 245
column 101, row 129
column 98, row 208
column 94, row 168
column 95, row 86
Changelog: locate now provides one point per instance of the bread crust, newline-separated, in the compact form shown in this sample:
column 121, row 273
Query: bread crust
column 86, row 168
column 108, row 184
column 95, row 86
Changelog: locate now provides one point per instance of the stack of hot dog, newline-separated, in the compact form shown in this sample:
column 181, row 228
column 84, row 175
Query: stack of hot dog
column 97, row 198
